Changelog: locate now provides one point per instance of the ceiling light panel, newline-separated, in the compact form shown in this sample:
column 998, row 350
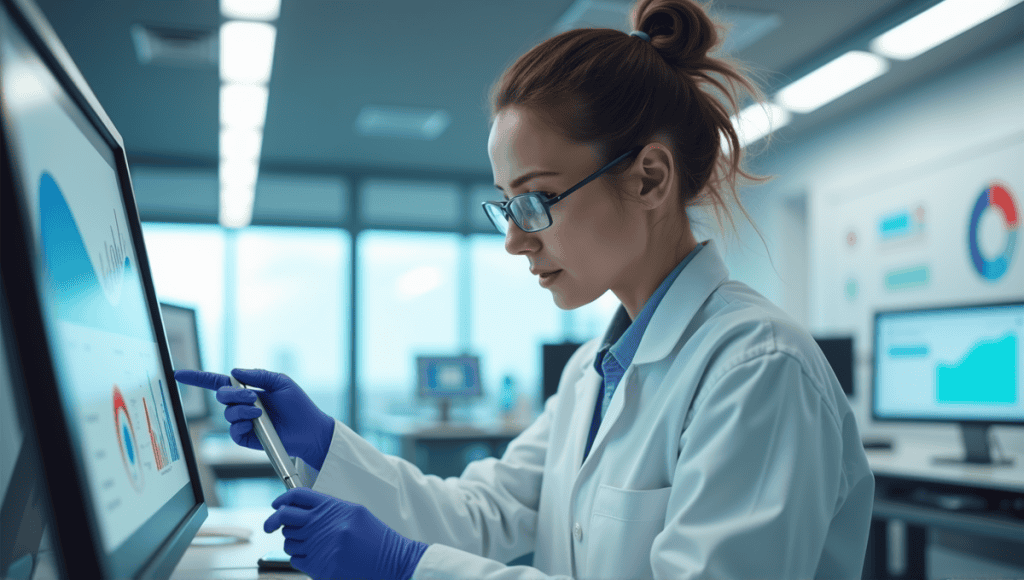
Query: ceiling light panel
column 406, row 122
column 265, row 10
column 759, row 120
column 831, row 81
column 246, row 52
column 243, row 105
column 936, row 25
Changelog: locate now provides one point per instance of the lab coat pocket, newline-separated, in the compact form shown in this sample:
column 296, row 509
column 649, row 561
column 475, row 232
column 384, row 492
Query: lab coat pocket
column 623, row 525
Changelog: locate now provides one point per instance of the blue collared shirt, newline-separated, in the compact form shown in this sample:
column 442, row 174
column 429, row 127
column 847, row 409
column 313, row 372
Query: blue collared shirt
column 620, row 343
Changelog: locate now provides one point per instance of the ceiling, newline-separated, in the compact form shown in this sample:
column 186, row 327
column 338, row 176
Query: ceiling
column 333, row 57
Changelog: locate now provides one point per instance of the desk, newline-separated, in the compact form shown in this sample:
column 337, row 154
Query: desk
column 445, row 449
column 909, row 487
column 234, row 561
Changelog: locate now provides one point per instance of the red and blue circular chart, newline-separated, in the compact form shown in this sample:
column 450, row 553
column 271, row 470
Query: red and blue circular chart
column 126, row 440
column 999, row 197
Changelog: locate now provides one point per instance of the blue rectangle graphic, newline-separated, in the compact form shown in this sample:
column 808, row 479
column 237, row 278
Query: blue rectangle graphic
column 909, row 351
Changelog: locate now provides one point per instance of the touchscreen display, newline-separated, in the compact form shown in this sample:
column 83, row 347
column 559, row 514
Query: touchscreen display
column 108, row 366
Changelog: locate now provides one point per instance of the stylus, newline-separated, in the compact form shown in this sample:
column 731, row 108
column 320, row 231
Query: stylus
column 267, row 435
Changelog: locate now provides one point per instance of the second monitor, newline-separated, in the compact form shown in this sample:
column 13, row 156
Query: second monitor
column 448, row 377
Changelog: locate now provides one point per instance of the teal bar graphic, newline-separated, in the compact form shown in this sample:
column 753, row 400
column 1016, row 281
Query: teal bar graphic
column 909, row 351
column 986, row 375
column 895, row 225
column 907, row 278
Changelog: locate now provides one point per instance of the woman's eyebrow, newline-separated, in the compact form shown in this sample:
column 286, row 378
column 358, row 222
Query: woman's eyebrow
column 522, row 179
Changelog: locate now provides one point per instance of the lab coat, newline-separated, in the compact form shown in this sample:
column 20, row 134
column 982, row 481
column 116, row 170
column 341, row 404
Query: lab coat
column 728, row 451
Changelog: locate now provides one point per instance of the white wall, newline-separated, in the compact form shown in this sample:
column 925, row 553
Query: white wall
column 968, row 123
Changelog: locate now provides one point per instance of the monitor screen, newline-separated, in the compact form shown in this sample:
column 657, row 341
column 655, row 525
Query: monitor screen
column 69, row 208
column 554, row 357
column 838, row 352
column 448, row 376
column 950, row 364
column 183, row 340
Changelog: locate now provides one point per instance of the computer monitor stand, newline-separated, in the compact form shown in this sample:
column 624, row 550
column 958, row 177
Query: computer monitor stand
column 444, row 405
column 977, row 450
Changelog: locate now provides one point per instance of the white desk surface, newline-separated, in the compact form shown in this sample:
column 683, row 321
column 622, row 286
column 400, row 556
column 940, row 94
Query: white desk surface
column 914, row 459
column 233, row 561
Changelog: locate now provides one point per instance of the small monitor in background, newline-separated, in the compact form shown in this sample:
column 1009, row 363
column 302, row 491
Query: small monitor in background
column 553, row 360
column 448, row 377
column 839, row 353
column 183, row 341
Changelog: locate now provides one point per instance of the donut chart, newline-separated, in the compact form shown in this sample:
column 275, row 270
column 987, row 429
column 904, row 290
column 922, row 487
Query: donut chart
column 999, row 197
column 126, row 440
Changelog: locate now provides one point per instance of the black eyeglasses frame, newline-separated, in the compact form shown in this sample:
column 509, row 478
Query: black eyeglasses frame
column 548, row 202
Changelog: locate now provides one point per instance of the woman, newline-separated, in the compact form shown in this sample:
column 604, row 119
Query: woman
column 704, row 435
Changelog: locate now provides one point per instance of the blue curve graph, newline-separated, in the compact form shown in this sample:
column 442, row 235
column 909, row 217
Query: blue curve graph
column 71, row 281
column 986, row 375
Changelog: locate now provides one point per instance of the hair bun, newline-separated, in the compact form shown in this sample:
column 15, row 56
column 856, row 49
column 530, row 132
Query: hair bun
column 680, row 29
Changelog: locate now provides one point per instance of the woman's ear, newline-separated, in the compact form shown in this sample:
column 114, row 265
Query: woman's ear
column 653, row 175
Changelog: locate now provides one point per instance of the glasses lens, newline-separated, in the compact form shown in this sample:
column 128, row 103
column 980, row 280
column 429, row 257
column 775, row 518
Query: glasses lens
column 497, row 217
column 529, row 212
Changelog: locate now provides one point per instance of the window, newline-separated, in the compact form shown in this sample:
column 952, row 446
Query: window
column 407, row 303
column 511, row 316
column 187, row 262
column 292, row 313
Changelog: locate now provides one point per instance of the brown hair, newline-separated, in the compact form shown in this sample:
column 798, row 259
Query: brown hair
column 604, row 87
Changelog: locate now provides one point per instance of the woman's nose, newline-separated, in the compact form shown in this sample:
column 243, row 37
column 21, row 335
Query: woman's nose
column 517, row 241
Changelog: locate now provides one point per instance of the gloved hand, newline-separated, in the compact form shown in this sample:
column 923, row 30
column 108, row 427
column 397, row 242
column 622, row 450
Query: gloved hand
column 305, row 430
column 332, row 538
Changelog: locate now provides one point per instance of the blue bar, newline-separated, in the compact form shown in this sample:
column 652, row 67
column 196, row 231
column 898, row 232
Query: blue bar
column 907, row 278
column 908, row 351
column 895, row 225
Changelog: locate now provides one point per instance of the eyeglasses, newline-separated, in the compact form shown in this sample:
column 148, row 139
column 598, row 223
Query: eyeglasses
column 531, row 211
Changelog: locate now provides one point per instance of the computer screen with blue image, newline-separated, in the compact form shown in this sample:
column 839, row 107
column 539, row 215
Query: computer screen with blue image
column 950, row 364
column 111, row 431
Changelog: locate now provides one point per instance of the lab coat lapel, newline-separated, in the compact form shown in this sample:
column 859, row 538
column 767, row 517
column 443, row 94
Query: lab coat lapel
column 677, row 308
column 705, row 273
column 586, row 397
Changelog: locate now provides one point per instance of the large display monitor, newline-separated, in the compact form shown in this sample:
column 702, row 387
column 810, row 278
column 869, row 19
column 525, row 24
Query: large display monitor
column 956, row 364
column 112, row 436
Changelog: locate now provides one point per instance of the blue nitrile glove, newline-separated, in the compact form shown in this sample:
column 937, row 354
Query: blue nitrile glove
column 332, row 538
column 305, row 430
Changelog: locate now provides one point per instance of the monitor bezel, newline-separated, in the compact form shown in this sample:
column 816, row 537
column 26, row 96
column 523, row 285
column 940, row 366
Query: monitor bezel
column 171, row 529
column 421, row 364
column 878, row 314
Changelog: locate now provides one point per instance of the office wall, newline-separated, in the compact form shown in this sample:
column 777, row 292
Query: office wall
column 929, row 153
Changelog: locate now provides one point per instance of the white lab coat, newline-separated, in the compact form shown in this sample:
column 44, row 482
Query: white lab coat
column 728, row 451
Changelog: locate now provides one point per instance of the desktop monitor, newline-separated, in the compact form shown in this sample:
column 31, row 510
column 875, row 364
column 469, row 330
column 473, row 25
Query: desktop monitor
column 446, row 378
column 957, row 364
column 838, row 352
column 183, row 340
column 120, row 470
column 554, row 357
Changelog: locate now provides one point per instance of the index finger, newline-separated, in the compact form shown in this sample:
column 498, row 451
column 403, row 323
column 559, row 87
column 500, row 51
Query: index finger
column 212, row 381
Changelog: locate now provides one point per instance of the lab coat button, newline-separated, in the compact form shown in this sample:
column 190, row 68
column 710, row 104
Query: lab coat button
column 577, row 531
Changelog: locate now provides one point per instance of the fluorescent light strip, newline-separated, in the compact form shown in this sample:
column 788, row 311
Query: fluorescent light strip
column 243, row 106
column 246, row 52
column 250, row 9
column 936, row 25
column 236, row 206
column 758, row 120
column 831, row 81
column 247, row 55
